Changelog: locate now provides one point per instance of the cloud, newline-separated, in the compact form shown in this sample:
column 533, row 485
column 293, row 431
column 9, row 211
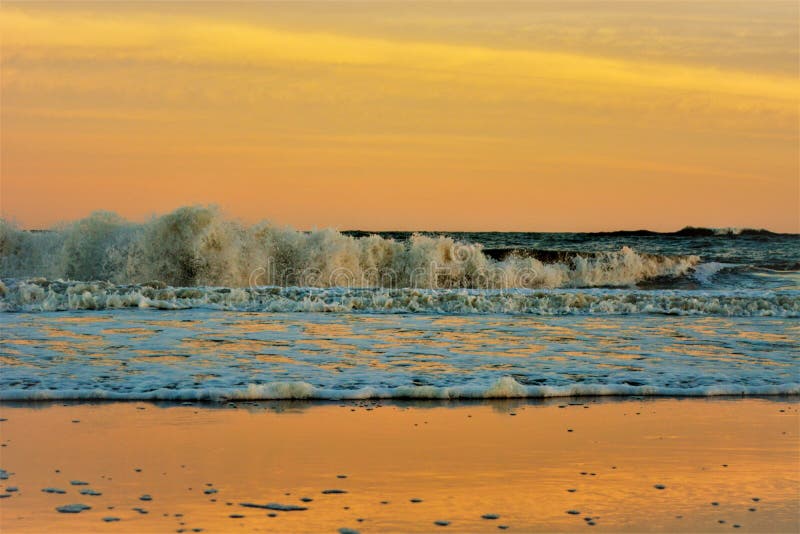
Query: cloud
column 53, row 37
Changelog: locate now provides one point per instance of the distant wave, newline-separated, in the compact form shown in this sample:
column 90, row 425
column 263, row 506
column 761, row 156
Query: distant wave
column 783, row 266
column 197, row 246
column 45, row 295
column 694, row 231
column 572, row 257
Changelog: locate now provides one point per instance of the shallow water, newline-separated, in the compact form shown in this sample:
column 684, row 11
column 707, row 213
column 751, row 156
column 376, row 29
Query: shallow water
column 217, row 355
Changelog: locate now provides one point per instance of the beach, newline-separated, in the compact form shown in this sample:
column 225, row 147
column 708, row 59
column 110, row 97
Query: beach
column 610, row 464
column 392, row 267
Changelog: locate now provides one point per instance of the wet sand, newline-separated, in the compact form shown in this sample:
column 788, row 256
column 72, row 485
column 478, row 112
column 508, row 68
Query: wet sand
column 695, row 465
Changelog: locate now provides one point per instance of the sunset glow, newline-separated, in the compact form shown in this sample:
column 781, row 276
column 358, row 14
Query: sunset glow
column 537, row 116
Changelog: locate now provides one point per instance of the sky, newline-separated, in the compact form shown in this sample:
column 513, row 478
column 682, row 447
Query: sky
column 527, row 116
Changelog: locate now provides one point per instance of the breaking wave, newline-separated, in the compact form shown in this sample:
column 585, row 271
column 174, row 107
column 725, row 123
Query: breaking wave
column 197, row 246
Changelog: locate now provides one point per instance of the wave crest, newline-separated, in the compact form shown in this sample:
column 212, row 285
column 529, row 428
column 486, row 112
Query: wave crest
column 197, row 246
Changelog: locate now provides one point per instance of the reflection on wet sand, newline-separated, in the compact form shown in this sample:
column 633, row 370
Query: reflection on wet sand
column 625, row 465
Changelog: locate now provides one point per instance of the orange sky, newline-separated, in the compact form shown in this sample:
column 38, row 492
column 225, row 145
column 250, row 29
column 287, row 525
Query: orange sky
column 523, row 116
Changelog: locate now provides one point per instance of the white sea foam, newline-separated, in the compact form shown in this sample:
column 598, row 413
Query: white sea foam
column 203, row 355
column 196, row 246
column 44, row 295
column 504, row 388
column 704, row 272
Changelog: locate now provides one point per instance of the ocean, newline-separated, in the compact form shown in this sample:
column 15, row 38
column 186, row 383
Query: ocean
column 195, row 306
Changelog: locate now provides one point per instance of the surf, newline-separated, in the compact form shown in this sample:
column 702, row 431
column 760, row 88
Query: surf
column 197, row 246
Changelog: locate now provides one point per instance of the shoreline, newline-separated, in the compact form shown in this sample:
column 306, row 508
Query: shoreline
column 409, row 402
column 450, row 462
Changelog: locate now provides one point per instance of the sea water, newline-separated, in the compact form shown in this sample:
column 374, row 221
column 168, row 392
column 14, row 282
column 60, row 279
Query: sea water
column 195, row 306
